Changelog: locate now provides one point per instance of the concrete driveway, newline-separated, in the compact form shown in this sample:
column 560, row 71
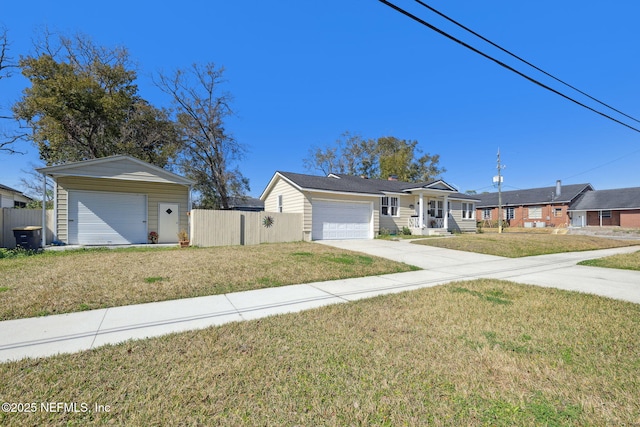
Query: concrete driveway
column 555, row 270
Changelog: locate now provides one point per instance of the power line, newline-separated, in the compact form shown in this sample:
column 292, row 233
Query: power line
column 502, row 64
column 523, row 60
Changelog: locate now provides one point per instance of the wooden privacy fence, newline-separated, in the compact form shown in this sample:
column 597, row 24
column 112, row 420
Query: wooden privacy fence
column 11, row 217
column 223, row 228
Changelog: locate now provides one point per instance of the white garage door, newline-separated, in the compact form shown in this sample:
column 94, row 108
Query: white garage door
column 341, row 220
column 100, row 218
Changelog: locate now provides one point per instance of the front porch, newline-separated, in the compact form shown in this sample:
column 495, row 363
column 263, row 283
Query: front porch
column 431, row 221
column 432, row 227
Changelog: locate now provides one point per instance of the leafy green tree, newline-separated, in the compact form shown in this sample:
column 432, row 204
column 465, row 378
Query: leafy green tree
column 210, row 154
column 350, row 154
column 83, row 103
column 374, row 158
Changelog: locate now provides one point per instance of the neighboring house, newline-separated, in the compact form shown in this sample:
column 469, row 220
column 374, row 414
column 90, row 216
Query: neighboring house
column 118, row 200
column 246, row 204
column 535, row 207
column 618, row 207
column 10, row 198
column 347, row 207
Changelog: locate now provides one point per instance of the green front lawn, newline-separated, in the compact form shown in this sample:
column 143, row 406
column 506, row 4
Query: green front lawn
column 514, row 245
column 481, row 353
column 623, row 261
column 62, row 282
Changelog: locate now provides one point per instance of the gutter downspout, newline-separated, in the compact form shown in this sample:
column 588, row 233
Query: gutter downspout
column 190, row 207
column 44, row 211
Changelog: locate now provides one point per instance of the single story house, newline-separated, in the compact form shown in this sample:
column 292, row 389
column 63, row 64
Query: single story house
column 341, row 206
column 245, row 204
column 10, row 198
column 618, row 207
column 535, row 207
column 118, row 200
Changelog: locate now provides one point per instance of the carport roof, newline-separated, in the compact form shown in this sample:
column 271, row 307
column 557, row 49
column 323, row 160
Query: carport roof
column 616, row 199
column 116, row 167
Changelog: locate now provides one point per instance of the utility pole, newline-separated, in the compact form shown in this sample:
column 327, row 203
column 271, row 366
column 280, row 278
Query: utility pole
column 500, row 167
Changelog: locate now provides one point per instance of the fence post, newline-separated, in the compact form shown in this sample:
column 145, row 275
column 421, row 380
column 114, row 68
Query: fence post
column 242, row 230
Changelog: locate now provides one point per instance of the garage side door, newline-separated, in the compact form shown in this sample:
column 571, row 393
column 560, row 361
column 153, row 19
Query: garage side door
column 101, row 218
column 341, row 220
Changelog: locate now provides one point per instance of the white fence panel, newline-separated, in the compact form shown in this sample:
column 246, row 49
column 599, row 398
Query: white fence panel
column 11, row 217
column 224, row 228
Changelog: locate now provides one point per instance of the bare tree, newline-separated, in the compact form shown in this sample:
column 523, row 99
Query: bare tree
column 209, row 153
column 7, row 66
column 32, row 185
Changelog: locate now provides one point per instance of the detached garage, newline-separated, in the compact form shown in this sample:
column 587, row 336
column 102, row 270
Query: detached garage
column 118, row 200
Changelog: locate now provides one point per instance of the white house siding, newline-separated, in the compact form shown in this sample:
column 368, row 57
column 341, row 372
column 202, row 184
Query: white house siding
column 156, row 192
column 395, row 223
column 456, row 222
column 293, row 201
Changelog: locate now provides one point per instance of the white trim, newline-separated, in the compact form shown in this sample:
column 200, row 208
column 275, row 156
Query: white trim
column 603, row 209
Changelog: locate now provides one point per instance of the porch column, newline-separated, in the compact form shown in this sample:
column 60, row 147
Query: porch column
column 445, row 208
column 421, row 211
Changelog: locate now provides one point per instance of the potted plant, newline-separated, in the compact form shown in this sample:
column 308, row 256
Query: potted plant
column 183, row 238
column 153, row 237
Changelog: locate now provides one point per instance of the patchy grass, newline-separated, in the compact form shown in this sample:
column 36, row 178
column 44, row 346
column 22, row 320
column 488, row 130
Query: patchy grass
column 623, row 261
column 60, row 282
column 514, row 245
column 448, row 355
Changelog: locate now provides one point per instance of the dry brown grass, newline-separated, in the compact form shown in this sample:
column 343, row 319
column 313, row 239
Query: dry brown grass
column 468, row 353
column 516, row 245
column 66, row 282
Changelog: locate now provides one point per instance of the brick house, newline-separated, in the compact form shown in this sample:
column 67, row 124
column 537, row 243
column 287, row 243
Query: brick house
column 617, row 207
column 535, row 207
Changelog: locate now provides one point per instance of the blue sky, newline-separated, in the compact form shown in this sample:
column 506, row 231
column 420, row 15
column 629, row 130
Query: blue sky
column 303, row 72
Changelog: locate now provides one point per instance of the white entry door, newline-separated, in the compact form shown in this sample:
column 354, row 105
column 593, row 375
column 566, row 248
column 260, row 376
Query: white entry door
column 168, row 222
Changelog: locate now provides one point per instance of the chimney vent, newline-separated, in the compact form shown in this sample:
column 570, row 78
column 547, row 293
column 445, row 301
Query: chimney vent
column 558, row 188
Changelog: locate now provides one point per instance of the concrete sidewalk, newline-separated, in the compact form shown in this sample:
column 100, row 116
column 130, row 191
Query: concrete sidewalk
column 67, row 333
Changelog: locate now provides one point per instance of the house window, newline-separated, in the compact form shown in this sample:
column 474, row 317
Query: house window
column 389, row 206
column 468, row 211
column 280, row 204
column 486, row 213
column 557, row 212
column 606, row 214
column 436, row 208
column 535, row 212
column 509, row 213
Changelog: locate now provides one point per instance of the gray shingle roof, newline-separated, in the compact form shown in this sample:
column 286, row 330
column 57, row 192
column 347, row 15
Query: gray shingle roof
column 533, row 196
column 355, row 184
column 4, row 187
column 620, row 198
